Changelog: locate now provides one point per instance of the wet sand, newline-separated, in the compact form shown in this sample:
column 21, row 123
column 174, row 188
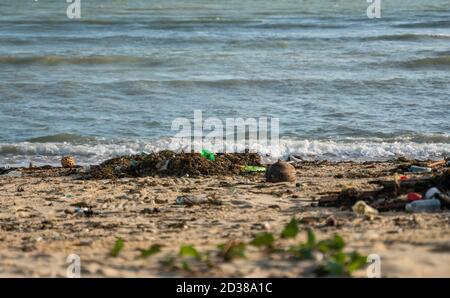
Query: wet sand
column 39, row 226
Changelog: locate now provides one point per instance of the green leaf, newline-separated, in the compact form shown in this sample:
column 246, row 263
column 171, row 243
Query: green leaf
column 185, row 266
column 168, row 261
column 335, row 268
column 263, row 239
column 333, row 244
column 189, row 251
column 290, row 230
column 230, row 251
column 340, row 258
column 117, row 248
column 357, row 261
column 305, row 252
column 154, row 249
column 311, row 240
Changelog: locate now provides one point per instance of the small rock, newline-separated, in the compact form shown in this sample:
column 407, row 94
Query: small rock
column 331, row 221
column 281, row 171
column 150, row 210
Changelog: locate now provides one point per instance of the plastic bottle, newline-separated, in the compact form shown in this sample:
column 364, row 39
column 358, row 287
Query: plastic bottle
column 432, row 193
column 431, row 205
column 417, row 169
column 208, row 154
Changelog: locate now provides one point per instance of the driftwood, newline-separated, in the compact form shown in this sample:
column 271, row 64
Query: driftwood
column 437, row 163
column 347, row 197
column 405, row 186
column 395, row 205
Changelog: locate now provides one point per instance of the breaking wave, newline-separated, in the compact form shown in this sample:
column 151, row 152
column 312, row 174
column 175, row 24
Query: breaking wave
column 357, row 149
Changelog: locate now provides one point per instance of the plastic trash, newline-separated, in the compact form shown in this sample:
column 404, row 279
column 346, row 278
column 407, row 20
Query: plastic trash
column 295, row 159
column 84, row 211
column 361, row 208
column 431, row 205
column 133, row 164
column 208, row 154
column 413, row 196
column 189, row 200
column 432, row 193
column 163, row 165
column 417, row 169
column 81, row 209
column 254, row 169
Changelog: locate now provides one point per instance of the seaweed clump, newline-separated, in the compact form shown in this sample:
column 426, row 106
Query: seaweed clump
column 169, row 163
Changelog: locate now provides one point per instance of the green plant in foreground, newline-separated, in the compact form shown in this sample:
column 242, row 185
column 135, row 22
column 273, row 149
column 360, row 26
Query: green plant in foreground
column 335, row 261
column 189, row 251
column 154, row 249
column 117, row 248
column 342, row 264
column 232, row 250
column 263, row 240
column 291, row 229
column 168, row 261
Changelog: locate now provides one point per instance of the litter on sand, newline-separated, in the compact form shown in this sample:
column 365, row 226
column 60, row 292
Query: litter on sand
column 361, row 208
column 426, row 191
column 169, row 163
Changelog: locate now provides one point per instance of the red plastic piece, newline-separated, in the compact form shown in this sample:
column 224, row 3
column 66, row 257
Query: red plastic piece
column 413, row 196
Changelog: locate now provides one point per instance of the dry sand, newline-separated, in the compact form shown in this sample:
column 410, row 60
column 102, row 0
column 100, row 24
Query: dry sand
column 39, row 228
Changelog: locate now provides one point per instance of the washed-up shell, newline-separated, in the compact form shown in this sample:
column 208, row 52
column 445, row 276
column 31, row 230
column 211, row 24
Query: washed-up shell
column 68, row 162
column 361, row 208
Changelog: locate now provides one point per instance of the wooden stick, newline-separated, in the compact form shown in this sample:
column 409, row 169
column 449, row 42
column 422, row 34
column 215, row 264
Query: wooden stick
column 437, row 163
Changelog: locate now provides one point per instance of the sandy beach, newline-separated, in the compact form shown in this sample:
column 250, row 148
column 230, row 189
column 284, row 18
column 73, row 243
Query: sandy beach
column 40, row 226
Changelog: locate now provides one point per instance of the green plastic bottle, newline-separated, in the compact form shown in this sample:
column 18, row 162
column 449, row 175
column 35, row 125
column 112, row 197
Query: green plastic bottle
column 208, row 154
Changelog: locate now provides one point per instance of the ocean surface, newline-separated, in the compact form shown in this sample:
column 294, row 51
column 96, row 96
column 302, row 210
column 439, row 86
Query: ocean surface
column 342, row 85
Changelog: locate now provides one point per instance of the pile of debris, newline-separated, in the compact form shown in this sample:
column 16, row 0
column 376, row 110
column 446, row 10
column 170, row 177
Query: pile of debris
column 169, row 163
column 416, row 186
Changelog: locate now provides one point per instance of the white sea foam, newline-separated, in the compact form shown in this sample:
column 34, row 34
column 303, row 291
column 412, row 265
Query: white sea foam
column 20, row 154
